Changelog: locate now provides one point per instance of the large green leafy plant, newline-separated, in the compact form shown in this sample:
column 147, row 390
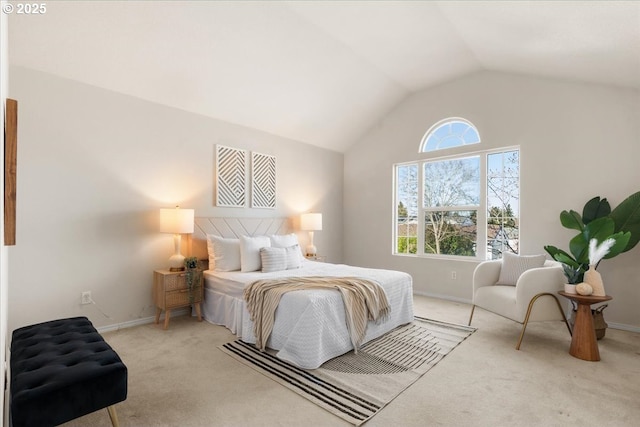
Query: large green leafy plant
column 599, row 222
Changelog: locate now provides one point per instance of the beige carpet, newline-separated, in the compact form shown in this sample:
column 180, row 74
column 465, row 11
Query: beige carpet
column 178, row 377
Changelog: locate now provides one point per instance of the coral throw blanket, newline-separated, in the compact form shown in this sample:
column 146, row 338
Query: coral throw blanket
column 364, row 300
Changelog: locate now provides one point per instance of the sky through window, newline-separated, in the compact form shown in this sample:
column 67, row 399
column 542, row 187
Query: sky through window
column 449, row 133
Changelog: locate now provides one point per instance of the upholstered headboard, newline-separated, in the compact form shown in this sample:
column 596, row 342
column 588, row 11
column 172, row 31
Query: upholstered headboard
column 234, row 228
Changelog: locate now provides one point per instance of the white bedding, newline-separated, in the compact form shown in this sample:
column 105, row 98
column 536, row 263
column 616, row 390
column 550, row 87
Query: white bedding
column 310, row 326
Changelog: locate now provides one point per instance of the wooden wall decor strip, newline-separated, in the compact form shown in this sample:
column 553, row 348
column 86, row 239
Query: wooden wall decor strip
column 10, row 170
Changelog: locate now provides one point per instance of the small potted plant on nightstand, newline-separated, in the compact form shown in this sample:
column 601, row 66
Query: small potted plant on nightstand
column 193, row 275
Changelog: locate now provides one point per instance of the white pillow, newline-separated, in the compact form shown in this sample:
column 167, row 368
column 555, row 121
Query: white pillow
column 224, row 253
column 294, row 256
column 283, row 240
column 287, row 241
column 278, row 259
column 273, row 259
column 250, row 252
column 514, row 265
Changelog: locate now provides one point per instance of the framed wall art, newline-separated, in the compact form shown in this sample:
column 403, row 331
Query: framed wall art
column 263, row 181
column 231, row 172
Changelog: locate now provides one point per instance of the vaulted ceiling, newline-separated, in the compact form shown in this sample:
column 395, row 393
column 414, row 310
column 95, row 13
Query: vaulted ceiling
column 320, row 72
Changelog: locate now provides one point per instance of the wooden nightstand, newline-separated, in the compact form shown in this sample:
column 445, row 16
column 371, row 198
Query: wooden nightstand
column 170, row 291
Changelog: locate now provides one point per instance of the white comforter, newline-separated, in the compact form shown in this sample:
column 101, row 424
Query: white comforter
column 310, row 326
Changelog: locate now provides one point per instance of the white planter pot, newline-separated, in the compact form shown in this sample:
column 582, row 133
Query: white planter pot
column 570, row 288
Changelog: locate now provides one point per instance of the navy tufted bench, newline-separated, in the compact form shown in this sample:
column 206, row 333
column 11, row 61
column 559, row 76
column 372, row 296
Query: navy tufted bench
column 61, row 370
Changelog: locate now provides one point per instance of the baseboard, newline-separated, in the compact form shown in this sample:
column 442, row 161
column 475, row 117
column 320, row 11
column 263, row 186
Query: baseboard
column 444, row 297
column 623, row 327
column 142, row 321
column 612, row 325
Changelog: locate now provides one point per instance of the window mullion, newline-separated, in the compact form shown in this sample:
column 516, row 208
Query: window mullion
column 481, row 236
column 394, row 212
column 453, row 208
column 421, row 210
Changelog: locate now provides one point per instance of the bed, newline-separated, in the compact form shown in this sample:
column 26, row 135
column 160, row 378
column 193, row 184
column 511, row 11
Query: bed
column 310, row 325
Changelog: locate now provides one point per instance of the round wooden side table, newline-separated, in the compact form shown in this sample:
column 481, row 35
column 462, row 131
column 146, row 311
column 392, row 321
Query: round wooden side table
column 584, row 344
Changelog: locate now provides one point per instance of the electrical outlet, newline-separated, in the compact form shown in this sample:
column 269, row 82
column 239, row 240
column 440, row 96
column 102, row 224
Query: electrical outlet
column 85, row 297
column 454, row 275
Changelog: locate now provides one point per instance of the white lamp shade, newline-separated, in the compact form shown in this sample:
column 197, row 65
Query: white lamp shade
column 176, row 220
column 311, row 221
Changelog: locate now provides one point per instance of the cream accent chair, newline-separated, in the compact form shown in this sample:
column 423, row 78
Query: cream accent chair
column 537, row 286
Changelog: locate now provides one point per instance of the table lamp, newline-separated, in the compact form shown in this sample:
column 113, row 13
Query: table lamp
column 311, row 222
column 176, row 221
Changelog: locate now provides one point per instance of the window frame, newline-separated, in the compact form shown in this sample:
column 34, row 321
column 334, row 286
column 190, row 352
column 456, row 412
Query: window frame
column 424, row 210
column 395, row 173
column 482, row 208
column 438, row 125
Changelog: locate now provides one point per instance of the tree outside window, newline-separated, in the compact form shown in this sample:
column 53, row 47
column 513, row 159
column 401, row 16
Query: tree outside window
column 451, row 199
column 503, row 199
column 407, row 209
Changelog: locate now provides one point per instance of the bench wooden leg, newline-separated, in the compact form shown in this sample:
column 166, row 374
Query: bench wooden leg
column 114, row 417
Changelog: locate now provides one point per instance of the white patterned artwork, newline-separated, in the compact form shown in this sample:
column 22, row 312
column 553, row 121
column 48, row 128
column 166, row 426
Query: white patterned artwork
column 263, row 181
column 230, row 176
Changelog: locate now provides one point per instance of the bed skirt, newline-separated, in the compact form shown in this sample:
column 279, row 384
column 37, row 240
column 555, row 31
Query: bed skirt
column 319, row 311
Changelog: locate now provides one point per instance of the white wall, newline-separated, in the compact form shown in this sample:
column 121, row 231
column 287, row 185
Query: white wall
column 94, row 167
column 4, row 263
column 577, row 141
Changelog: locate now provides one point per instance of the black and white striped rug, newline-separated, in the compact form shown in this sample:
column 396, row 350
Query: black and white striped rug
column 356, row 386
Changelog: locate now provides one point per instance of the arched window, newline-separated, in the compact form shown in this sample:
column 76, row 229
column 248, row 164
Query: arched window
column 448, row 133
column 465, row 204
